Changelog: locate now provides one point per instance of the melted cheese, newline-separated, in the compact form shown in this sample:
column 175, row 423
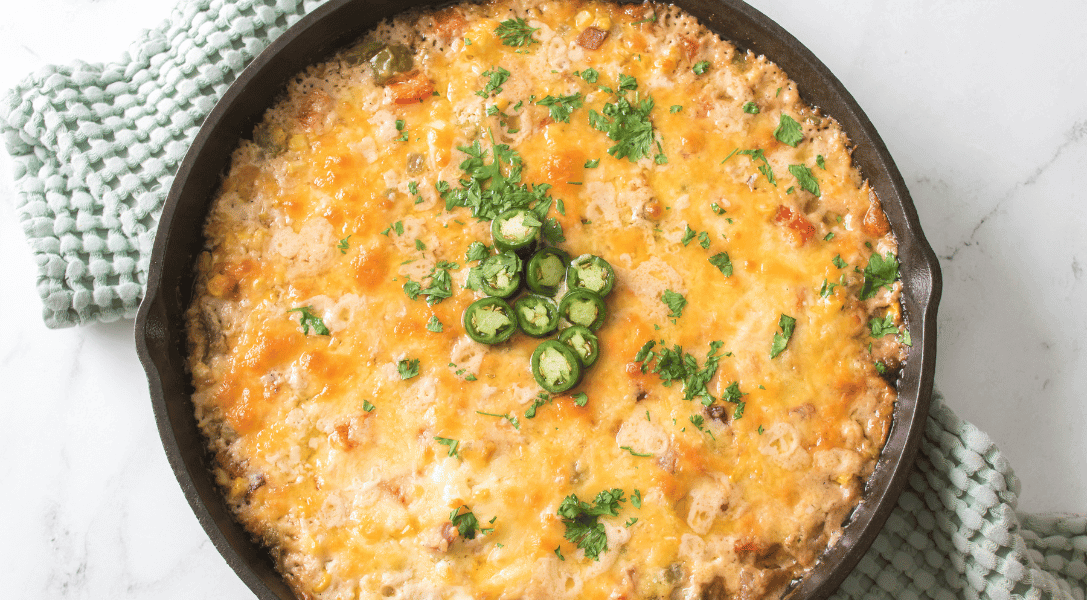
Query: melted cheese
column 333, row 459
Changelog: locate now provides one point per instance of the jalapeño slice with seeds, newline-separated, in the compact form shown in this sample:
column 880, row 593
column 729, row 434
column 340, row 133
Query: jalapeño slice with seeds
column 583, row 307
column 555, row 367
column 500, row 275
column 538, row 316
column 515, row 230
column 490, row 320
column 592, row 273
column 583, row 342
column 546, row 271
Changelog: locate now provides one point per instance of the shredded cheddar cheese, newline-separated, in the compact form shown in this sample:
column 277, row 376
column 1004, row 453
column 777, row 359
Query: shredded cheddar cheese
column 379, row 452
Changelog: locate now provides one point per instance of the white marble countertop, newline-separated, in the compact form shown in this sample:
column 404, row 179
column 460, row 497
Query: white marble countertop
column 982, row 105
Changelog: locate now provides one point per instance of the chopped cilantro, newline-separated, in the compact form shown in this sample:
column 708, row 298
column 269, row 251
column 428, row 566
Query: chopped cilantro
column 880, row 272
column 751, row 108
column 838, row 262
column 516, row 32
column 704, row 240
column 466, row 523
column 310, row 319
column 630, row 522
column 419, row 245
column 476, row 251
column 592, row 164
column 787, row 324
column 805, row 178
column 627, row 83
column 761, row 430
column 636, row 499
column 688, row 235
column 343, row 245
column 764, row 168
column 434, row 324
column 675, row 108
column 400, row 126
column 716, row 208
column 881, row 327
column 366, row 406
column 552, row 231
column 633, row 452
column 828, row 237
column 590, row 75
column 491, row 189
column 700, row 67
column 675, row 303
column 408, row 368
column 722, row 262
column 452, row 445
column 880, row 367
column 828, row 287
column 398, row 227
column 560, row 107
column 788, row 131
column 496, row 77
column 583, row 526
column 558, row 553
column 627, row 124
column 819, row 161
column 512, row 419
column 581, row 399
column 539, row 401
column 673, row 364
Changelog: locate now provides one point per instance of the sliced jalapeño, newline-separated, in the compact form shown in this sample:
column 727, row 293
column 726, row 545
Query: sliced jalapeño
column 500, row 275
column 537, row 315
column 515, row 230
column 555, row 367
column 583, row 342
column 490, row 320
column 583, row 307
column 592, row 273
column 546, row 271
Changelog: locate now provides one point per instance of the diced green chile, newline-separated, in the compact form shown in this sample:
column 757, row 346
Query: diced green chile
column 360, row 53
column 583, row 342
column 591, row 272
column 389, row 61
column 546, row 271
column 555, row 367
column 583, row 307
column 500, row 275
column 516, row 230
column 490, row 320
column 538, row 316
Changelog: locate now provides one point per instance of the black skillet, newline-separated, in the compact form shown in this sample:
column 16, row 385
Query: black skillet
column 160, row 331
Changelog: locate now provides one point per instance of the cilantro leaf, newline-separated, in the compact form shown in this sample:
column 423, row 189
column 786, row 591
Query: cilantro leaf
column 581, row 519
column 590, row 75
column 788, row 131
column 787, row 324
column 408, row 368
column 880, row 272
column 512, row 419
column 476, row 251
column 492, row 188
column 704, row 240
column 581, row 399
column 751, row 108
column 592, row 164
column 722, row 262
column 560, row 107
column 343, row 245
column 466, row 523
column 496, row 77
column 628, row 125
column 881, row 327
column 675, row 108
column 434, row 324
column 838, row 262
column 700, row 67
column 805, row 178
column 820, row 162
column 688, row 235
column 452, row 445
column 516, row 32
column 764, row 168
column 310, row 319
column 675, row 303
column 367, row 406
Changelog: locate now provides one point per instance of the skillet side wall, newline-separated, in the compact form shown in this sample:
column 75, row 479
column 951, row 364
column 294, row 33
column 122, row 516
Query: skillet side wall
column 160, row 328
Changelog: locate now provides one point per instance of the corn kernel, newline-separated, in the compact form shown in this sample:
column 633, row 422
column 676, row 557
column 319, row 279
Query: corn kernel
column 298, row 142
column 602, row 22
column 843, row 480
column 323, row 583
column 582, row 20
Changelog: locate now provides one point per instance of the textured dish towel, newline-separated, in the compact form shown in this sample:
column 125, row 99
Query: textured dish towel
column 95, row 149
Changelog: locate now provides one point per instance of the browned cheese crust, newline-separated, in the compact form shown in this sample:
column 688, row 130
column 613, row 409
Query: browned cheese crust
column 353, row 422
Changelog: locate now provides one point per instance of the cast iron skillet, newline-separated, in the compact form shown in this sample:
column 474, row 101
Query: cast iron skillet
column 160, row 331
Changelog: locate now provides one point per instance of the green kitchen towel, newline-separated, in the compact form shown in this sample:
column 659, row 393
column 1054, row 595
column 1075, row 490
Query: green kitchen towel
column 95, row 148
